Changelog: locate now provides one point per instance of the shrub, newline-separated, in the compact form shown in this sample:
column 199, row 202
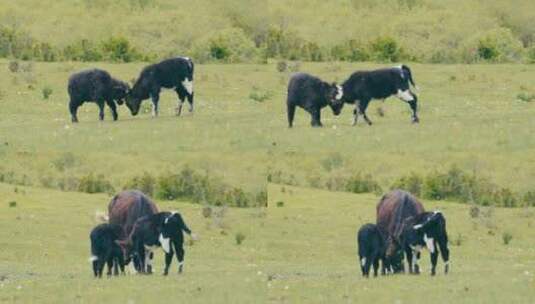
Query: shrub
column 239, row 237
column 280, row 204
column 359, row 183
column 386, row 49
column 146, row 183
column 352, row 50
column 332, row 161
column 46, row 91
column 507, row 238
column 228, row 45
column 95, row 184
column 82, row 50
column 118, row 49
column 13, row 66
column 260, row 95
column 412, row 183
column 261, row 198
column 526, row 97
column 529, row 198
column 12, row 204
column 474, row 211
column 496, row 45
column 282, row 66
column 64, row 161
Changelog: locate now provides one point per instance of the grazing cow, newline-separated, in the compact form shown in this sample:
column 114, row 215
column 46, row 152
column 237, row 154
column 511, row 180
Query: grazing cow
column 95, row 86
column 363, row 86
column 163, row 229
column 105, row 249
column 174, row 73
column 371, row 248
column 426, row 229
column 392, row 210
column 126, row 208
column 312, row 94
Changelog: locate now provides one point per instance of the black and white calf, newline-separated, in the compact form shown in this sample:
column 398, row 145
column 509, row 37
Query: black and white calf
column 371, row 248
column 174, row 73
column 105, row 248
column 163, row 229
column 425, row 230
column 363, row 86
column 95, row 86
column 312, row 94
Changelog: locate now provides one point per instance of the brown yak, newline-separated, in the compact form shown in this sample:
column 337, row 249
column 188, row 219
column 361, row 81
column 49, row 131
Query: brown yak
column 393, row 209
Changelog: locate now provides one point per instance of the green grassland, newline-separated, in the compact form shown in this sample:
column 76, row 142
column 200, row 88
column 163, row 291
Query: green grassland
column 45, row 251
column 313, row 253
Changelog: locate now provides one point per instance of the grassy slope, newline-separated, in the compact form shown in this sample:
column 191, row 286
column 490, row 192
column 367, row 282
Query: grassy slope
column 313, row 253
column 46, row 248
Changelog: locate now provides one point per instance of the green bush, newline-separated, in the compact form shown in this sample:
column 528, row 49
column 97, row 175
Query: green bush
column 529, row 198
column 82, row 50
column 360, row 183
column 239, row 237
column 118, row 49
column 260, row 95
column 496, row 45
column 386, row 49
column 47, row 91
column 229, row 46
column 146, row 183
column 95, row 184
column 352, row 50
column 507, row 238
column 412, row 183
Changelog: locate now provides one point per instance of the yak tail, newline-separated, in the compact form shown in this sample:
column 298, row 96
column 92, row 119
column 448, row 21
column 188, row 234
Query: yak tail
column 407, row 71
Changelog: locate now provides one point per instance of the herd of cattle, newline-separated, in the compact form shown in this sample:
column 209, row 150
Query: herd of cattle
column 403, row 227
column 134, row 229
column 304, row 90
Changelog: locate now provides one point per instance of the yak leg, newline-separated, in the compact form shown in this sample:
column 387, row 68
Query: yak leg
column 316, row 118
column 410, row 98
column 181, row 99
column 179, row 255
column 410, row 256
column 355, row 113
column 362, row 106
column 155, row 100
column 375, row 266
column 168, row 259
column 445, row 253
column 291, row 114
column 73, row 108
column 113, row 108
column 100, row 104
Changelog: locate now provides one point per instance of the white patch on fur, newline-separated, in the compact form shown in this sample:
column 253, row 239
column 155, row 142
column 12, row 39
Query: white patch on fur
column 339, row 92
column 416, row 248
column 363, row 262
column 153, row 110
column 181, row 263
column 188, row 85
column 93, row 258
column 165, row 243
column 429, row 242
column 405, row 95
column 131, row 268
column 416, row 227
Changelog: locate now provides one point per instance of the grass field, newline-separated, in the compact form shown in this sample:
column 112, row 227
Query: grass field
column 313, row 255
column 45, row 241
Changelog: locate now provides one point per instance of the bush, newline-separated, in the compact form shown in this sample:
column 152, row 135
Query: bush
column 529, row 198
column 260, row 95
column 497, row 45
column 46, row 91
column 146, row 183
column 95, row 184
column 332, row 161
column 526, row 97
column 64, row 161
column 359, row 183
column 118, row 49
column 229, row 46
column 386, row 49
column 13, row 66
column 507, row 238
column 412, row 183
column 352, row 50
column 82, row 50
column 239, row 237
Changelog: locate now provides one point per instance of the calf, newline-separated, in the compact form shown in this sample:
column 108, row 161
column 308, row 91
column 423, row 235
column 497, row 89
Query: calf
column 371, row 248
column 95, row 86
column 105, row 248
column 312, row 94
column 428, row 230
column 363, row 86
column 163, row 229
column 174, row 73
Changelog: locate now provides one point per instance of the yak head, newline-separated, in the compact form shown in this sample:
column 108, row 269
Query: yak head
column 334, row 94
column 120, row 91
column 133, row 103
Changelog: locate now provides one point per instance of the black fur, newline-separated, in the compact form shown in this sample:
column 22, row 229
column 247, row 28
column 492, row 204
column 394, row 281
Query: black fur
column 363, row 86
column 147, row 231
column 312, row 94
column 95, row 86
column 105, row 250
column 431, row 225
column 167, row 74
column 371, row 248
